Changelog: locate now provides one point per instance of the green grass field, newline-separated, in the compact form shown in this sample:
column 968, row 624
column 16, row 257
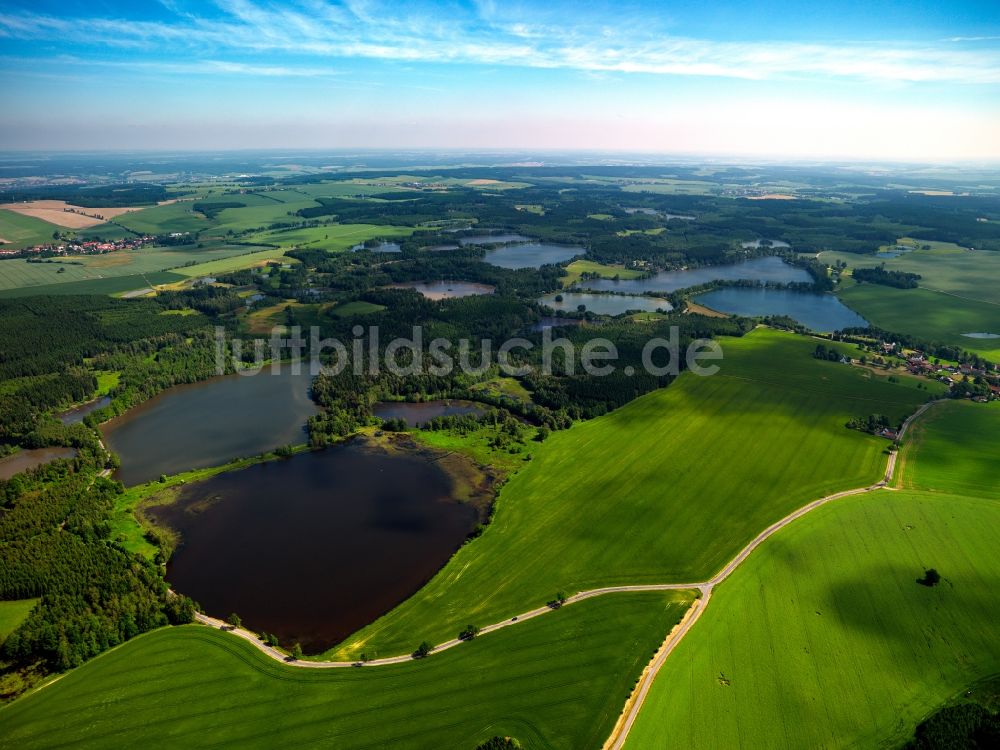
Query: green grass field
column 665, row 489
column 24, row 231
column 932, row 316
column 579, row 267
column 953, row 449
column 233, row 263
column 18, row 273
column 172, row 217
column 824, row 639
column 12, row 614
column 558, row 681
column 945, row 267
column 111, row 285
column 330, row 237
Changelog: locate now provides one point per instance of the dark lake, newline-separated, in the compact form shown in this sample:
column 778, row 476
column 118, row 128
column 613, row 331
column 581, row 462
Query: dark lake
column 446, row 289
column 531, row 255
column 382, row 247
column 29, row 458
column 493, row 239
column 314, row 547
column 769, row 268
column 77, row 413
column 209, row 423
column 416, row 414
column 820, row 312
column 604, row 304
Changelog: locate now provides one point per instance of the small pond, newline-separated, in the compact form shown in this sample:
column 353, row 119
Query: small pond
column 604, row 304
column 77, row 413
column 29, row 458
column 531, row 255
column 446, row 289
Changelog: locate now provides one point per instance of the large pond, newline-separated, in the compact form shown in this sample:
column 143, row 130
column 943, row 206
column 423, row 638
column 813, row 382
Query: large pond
column 209, row 423
column 493, row 239
column 29, row 458
column 757, row 244
column 769, row 268
column 416, row 414
column 314, row 547
column 77, row 413
column 382, row 247
column 982, row 335
column 820, row 312
column 446, row 289
column 604, row 304
column 531, row 255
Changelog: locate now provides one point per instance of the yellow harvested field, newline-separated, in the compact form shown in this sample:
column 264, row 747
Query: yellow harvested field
column 65, row 214
column 483, row 182
column 772, row 197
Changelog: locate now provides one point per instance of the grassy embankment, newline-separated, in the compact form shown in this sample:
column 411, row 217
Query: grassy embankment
column 558, row 681
column 824, row 638
column 666, row 489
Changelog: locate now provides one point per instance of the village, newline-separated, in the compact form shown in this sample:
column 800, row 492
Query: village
column 77, row 247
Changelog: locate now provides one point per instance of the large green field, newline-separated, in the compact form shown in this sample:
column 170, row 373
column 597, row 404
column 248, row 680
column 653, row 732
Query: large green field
column 974, row 274
column 24, row 231
column 18, row 273
column 931, row 316
column 110, row 285
column 823, row 638
column 953, row 449
column 172, row 217
column 665, row 489
column 558, row 681
column 330, row 236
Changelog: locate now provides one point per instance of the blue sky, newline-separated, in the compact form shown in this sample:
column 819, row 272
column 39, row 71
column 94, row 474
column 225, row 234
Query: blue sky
column 895, row 80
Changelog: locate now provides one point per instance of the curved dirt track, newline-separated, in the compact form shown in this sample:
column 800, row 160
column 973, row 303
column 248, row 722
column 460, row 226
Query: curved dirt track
column 634, row 704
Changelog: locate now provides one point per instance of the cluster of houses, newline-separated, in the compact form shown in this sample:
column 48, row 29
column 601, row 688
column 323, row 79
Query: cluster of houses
column 949, row 374
column 75, row 247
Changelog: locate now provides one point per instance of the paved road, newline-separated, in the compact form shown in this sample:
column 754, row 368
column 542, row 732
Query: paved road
column 634, row 704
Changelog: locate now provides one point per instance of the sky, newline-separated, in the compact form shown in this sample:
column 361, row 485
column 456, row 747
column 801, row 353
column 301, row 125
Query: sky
column 911, row 80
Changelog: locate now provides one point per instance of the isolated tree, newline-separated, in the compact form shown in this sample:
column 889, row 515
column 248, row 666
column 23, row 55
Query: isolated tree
column 297, row 651
column 931, row 578
column 422, row 650
column 234, row 620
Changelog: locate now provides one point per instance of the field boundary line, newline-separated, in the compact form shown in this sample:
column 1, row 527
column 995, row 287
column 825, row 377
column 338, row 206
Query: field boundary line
column 636, row 699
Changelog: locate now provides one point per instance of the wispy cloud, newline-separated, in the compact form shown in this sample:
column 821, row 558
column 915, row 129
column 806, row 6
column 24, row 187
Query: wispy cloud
column 360, row 29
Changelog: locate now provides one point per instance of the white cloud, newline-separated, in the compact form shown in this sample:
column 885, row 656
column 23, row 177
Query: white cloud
column 361, row 29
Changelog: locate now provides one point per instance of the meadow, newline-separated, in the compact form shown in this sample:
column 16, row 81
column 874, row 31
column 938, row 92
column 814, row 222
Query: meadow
column 558, row 681
column 951, row 449
column 944, row 267
column 579, row 267
column 12, row 614
column 931, row 316
column 165, row 219
column 823, row 638
column 110, row 285
column 17, row 273
column 666, row 489
column 19, row 231
column 332, row 237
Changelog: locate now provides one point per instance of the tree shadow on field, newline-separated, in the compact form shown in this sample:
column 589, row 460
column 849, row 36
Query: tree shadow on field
column 886, row 602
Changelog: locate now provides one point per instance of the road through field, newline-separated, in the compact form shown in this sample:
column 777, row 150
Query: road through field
column 634, row 704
